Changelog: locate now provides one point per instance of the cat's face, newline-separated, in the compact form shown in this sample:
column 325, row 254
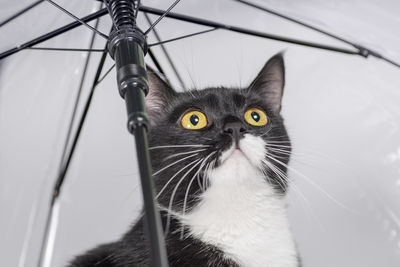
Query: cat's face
column 195, row 132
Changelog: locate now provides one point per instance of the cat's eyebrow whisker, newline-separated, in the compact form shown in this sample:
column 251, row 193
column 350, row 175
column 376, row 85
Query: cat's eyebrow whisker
column 184, row 153
column 174, row 192
column 173, row 177
column 173, row 163
column 174, row 146
column 329, row 196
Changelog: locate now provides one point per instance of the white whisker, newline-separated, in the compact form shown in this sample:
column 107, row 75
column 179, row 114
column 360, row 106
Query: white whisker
column 278, row 146
column 174, row 146
column 205, row 176
column 279, row 142
column 312, row 183
column 281, row 180
column 299, row 193
column 174, row 192
column 173, row 163
column 199, row 182
column 279, row 149
column 198, row 174
column 170, row 180
column 188, row 188
column 210, row 167
column 184, row 153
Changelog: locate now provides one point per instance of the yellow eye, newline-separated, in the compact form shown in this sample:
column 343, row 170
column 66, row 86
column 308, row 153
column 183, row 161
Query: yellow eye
column 256, row 117
column 194, row 120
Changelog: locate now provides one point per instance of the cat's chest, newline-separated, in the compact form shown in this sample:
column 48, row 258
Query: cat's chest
column 243, row 217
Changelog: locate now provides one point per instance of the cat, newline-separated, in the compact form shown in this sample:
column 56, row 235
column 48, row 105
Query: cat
column 220, row 159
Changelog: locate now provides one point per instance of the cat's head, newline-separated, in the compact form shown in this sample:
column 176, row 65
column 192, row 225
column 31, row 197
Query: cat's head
column 195, row 132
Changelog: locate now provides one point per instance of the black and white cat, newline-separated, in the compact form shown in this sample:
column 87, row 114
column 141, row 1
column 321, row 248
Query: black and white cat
column 219, row 157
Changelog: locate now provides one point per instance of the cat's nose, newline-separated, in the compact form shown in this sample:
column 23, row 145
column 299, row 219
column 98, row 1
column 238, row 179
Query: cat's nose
column 235, row 129
column 232, row 127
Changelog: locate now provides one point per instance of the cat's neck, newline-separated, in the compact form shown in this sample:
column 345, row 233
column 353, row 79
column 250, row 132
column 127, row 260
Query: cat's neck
column 242, row 215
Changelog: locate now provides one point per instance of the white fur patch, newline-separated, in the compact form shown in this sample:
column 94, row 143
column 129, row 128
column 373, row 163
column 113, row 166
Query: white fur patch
column 240, row 212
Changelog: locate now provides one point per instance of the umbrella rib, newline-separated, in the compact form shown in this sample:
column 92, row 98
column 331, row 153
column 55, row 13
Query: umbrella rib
column 169, row 59
column 391, row 61
column 162, row 16
column 158, row 65
column 53, row 33
column 65, row 161
column 77, row 19
column 210, row 23
column 176, row 16
column 295, row 21
column 19, row 13
column 68, row 157
column 65, row 49
column 63, row 171
column 363, row 51
column 105, row 74
column 182, row 37
column 155, row 61
column 78, row 96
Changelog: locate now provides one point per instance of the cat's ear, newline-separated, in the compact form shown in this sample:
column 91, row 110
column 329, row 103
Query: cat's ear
column 160, row 94
column 270, row 81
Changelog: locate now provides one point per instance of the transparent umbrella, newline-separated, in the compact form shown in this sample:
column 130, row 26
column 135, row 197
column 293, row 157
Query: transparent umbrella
column 341, row 112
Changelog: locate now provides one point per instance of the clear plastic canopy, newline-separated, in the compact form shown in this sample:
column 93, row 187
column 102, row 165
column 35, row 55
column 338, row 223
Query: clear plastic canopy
column 342, row 113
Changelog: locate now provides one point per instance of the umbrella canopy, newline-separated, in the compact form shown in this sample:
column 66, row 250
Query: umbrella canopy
column 341, row 112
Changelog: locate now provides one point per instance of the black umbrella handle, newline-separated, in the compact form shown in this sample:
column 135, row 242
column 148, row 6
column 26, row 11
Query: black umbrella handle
column 127, row 46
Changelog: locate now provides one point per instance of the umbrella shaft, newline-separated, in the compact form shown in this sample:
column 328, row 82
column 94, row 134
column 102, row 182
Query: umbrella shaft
column 128, row 46
column 132, row 83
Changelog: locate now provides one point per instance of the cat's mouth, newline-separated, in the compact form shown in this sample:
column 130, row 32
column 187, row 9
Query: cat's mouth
column 235, row 151
column 250, row 148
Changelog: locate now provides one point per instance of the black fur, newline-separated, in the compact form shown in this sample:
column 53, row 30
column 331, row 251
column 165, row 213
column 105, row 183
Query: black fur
column 166, row 108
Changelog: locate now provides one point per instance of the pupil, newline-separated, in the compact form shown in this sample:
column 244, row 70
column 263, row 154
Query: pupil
column 255, row 116
column 194, row 119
